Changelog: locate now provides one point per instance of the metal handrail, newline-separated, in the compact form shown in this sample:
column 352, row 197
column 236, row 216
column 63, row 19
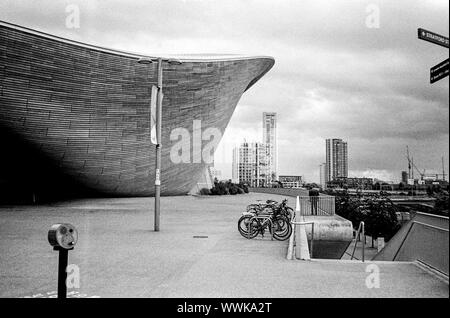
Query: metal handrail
column 312, row 233
column 360, row 228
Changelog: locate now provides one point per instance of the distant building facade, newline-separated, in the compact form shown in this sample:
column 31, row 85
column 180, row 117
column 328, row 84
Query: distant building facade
column 235, row 165
column 360, row 183
column 270, row 139
column 250, row 164
column 291, row 181
column 404, row 177
column 215, row 173
column 352, row 183
column 336, row 164
column 322, row 173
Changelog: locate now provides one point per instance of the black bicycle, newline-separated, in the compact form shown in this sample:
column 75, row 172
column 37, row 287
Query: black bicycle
column 271, row 216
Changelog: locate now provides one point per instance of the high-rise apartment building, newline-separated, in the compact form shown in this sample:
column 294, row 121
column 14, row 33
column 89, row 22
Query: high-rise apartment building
column 336, row 159
column 250, row 164
column 235, row 165
column 322, row 173
column 270, row 139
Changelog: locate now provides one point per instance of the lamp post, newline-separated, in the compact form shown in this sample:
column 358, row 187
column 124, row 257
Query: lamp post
column 159, row 61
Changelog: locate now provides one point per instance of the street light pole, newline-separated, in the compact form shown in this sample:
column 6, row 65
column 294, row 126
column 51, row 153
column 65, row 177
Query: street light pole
column 159, row 97
column 158, row 146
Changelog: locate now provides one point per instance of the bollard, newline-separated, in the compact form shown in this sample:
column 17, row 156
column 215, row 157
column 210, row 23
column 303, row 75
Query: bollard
column 63, row 238
column 380, row 243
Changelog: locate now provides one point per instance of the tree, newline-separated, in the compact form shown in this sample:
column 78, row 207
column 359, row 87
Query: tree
column 348, row 207
column 378, row 213
column 441, row 204
column 380, row 218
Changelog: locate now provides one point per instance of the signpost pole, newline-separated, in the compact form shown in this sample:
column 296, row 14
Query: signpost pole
column 62, row 271
column 63, row 237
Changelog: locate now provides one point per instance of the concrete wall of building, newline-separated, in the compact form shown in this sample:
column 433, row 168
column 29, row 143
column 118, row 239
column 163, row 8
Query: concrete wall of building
column 76, row 118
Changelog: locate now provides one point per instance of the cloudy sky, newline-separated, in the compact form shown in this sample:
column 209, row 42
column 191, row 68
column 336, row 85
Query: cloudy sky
column 339, row 72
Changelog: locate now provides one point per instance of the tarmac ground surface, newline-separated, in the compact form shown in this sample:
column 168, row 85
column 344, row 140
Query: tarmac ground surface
column 197, row 253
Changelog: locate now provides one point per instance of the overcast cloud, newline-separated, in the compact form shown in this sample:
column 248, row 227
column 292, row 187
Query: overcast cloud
column 333, row 77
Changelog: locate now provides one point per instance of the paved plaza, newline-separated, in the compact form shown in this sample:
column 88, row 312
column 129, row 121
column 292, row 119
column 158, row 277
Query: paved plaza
column 197, row 253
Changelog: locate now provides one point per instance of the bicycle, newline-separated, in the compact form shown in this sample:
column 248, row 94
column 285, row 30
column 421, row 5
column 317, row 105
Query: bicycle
column 271, row 216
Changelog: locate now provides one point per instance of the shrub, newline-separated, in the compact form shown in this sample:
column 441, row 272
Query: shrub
column 219, row 188
column 227, row 187
column 244, row 187
column 234, row 189
column 205, row 191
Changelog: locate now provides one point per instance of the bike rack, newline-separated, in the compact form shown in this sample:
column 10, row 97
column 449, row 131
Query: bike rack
column 264, row 217
column 260, row 217
column 312, row 233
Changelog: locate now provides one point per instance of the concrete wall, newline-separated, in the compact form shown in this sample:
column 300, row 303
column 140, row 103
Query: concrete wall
column 332, row 235
column 424, row 238
column 74, row 115
column 281, row 191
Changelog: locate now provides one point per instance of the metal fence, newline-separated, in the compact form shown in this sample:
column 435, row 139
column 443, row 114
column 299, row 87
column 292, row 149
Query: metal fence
column 317, row 205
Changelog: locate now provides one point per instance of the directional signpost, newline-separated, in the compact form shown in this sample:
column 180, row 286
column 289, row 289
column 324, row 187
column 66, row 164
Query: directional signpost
column 433, row 37
column 440, row 70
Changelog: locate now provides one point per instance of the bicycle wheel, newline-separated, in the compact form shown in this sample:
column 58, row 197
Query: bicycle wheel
column 244, row 225
column 279, row 223
column 283, row 229
column 291, row 213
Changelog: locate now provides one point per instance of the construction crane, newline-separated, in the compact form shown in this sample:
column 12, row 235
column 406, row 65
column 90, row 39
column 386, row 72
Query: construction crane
column 409, row 163
column 422, row 174
column 412, row 166
column 443, row 169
